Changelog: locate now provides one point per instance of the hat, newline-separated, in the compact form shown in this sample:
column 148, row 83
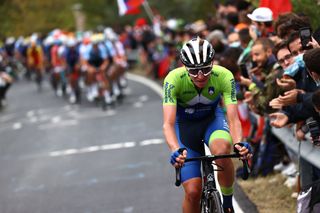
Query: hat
column 261, row 14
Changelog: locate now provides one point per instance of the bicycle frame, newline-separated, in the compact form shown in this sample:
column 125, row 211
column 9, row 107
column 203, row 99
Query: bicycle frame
column 210, row 194
column 209, row 188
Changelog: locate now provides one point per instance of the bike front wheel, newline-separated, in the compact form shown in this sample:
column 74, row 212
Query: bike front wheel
column 212, row 203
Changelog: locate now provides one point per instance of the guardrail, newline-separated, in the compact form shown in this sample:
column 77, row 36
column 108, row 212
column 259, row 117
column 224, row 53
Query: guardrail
column 308, row 151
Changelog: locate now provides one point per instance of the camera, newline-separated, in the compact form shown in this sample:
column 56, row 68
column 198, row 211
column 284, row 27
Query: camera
column 314, row 130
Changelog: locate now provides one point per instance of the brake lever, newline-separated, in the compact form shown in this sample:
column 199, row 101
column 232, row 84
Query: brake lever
column 245, row 165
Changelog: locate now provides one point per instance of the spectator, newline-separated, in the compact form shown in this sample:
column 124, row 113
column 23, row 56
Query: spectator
column 261, row 22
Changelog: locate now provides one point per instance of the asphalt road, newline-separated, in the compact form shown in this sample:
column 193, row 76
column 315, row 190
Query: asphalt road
column 57, row 157
column 62, row 158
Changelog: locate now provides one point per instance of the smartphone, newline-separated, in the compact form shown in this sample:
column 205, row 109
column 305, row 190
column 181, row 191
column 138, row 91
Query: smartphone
column 305, row 37
column 244, row 71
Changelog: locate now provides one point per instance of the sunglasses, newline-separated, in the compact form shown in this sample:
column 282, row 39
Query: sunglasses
column 286, row 57
column 194, row 72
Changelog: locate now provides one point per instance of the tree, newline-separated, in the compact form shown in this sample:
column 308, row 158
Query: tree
column 23, row 17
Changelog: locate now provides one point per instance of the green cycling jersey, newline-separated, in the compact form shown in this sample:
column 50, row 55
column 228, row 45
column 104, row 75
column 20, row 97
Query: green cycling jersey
column 194, row 103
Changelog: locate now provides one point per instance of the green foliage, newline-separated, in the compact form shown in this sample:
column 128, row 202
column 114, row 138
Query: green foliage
column 22, row 17
column 311, row 8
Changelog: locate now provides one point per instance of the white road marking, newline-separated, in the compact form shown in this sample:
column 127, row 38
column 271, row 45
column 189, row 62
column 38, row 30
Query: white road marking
column 44, row 118
column 137, row 104
column 151, row 84
column 152, row 141
column 33, row 119
column 56, row 119
column 68, row 107
column 30, row 113
column 128, row 209
column 105, row 147
column 5, row 118
column 143, row 98
column 91, row 114
column 90, row 149
column 17, row 125
column 58, row 124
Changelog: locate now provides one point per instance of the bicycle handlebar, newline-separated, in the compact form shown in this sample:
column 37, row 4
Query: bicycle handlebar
column 246, row 169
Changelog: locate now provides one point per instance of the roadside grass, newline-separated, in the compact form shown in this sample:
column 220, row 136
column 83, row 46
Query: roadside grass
column 269, row 194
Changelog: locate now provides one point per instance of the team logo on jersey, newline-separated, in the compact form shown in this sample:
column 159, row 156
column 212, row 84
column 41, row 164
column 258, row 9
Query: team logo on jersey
column 168, row 93
column 189, row 110
column 211, row 90
column 233, row 90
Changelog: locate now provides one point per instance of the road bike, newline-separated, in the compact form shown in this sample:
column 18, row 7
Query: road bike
column 210, row 199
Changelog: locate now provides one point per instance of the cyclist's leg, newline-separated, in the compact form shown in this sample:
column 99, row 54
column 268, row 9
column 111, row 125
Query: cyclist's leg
column 91, row 83
column 106, row 87
column 113, row 74
column 189, row 136
column 191, row 201
column 39, row 77
column 219, row 141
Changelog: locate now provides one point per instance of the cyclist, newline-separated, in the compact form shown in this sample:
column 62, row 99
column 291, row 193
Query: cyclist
column 35, row 61
column 73, row 68
column 192, row 113
column 96, row 62
column 58, row 63
column 119, row 63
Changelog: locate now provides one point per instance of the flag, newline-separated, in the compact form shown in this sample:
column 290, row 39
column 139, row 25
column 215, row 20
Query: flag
column 129, row 6
column 277, row 7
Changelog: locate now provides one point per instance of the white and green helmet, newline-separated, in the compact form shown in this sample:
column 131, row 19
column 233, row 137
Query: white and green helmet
column 197, row 53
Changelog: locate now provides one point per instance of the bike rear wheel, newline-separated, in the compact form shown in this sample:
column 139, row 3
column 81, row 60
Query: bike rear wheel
column 212, row 204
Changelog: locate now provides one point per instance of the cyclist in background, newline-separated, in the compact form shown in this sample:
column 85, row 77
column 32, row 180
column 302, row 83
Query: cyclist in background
column 58, row 63
column 5, row 80
column 192, row 113
column 96, row 62
column 119, row 63
column 73, row 69
column 35, row 60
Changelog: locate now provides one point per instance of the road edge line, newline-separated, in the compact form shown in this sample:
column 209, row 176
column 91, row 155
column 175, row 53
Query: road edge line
column 143, row 80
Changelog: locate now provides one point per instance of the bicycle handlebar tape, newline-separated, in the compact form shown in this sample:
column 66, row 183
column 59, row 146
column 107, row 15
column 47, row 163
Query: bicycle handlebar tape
column 245, row 169
column 178, row 170
column 178, row 177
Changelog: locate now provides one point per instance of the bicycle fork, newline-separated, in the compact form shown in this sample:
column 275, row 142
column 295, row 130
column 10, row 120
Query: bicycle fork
column 209, row 188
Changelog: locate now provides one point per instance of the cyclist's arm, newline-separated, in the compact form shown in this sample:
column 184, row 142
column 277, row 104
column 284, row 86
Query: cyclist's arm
column 104, row 65
column 169, row 118
column 230, row 101
column 170, row 111
column 234, row 123
column 104, row 55
column 90, row 68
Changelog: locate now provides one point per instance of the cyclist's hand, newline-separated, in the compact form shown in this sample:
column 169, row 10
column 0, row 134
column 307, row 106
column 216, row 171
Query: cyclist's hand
column 244, row 150
column 178, row 157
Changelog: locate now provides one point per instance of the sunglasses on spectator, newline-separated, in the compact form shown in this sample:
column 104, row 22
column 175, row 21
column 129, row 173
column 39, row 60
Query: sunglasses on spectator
column 194, row 72
column 286, row 57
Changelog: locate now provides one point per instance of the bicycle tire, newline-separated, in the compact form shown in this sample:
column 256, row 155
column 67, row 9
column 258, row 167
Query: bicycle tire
column 213, row 204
